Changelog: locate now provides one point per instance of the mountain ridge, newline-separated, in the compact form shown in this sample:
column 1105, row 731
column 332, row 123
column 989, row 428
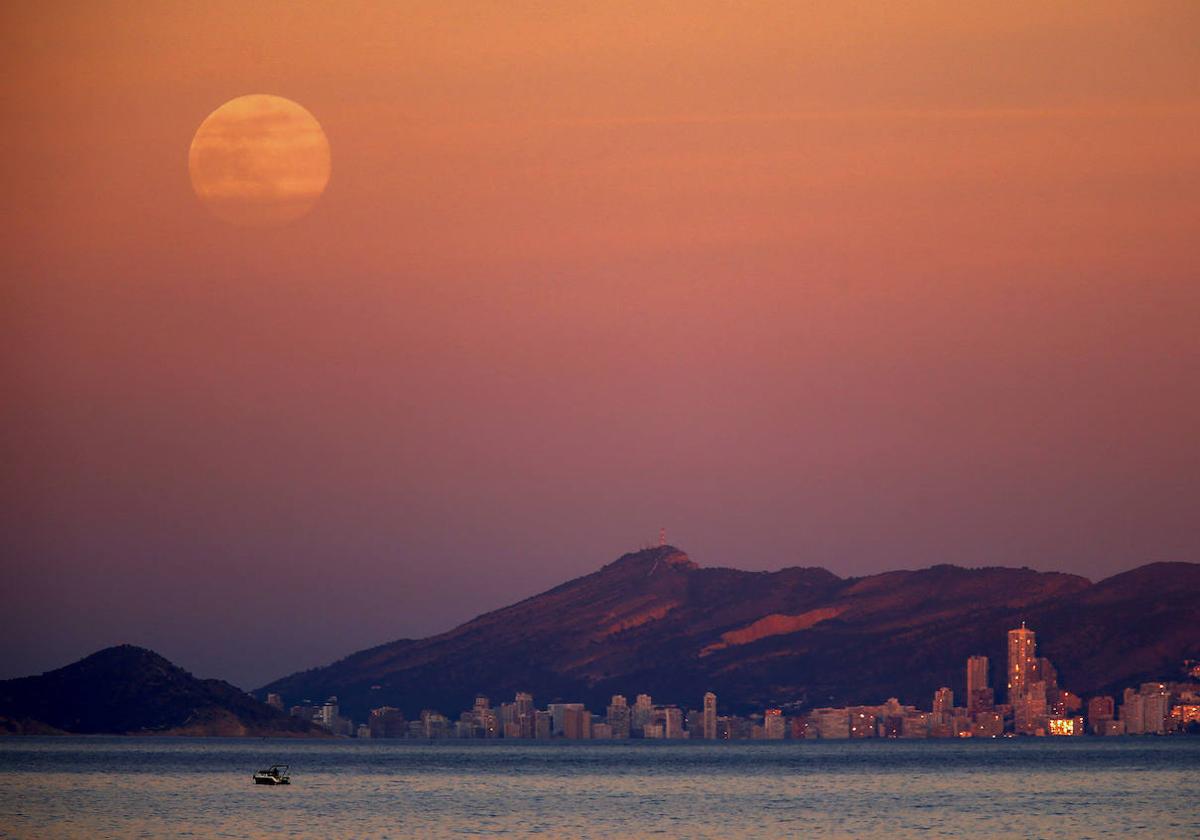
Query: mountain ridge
column 655, row 621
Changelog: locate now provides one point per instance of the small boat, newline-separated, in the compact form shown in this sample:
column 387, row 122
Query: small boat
column 276, row 774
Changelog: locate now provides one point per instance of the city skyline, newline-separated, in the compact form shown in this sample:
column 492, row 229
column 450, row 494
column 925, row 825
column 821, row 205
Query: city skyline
column 1036, row 706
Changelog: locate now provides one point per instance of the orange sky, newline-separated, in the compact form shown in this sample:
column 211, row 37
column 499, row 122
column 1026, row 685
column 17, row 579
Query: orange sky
column 854, row 285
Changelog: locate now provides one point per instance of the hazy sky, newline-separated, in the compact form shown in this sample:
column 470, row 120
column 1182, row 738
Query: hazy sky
column 859, row 285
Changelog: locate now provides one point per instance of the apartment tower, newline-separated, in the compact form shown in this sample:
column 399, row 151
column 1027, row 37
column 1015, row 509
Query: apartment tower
column 1022, row 662
column 710, row 716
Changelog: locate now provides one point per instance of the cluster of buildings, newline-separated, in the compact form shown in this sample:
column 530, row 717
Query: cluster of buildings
column 326, row 715
column 1036, row 706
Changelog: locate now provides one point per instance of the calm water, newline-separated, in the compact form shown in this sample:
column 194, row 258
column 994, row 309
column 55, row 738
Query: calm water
column 134, row 787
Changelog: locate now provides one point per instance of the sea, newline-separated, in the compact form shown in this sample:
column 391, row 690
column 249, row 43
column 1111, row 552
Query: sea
column 97, row 787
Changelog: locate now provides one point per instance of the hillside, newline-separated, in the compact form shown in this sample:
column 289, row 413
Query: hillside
column 131, row 690
column 655, row 622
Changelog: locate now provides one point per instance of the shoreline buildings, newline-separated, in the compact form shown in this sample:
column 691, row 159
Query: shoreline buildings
column 1036, row 706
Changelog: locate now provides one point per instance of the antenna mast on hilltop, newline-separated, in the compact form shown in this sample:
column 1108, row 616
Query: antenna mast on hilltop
column 662, row 537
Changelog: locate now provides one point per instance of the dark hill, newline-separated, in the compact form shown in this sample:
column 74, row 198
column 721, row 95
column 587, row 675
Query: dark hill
column 654, row 622
column 128, row 689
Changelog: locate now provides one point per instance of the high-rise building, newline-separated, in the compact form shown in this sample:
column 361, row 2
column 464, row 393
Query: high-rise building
column 673, row 722
column 525, row 725
column 1046, row 672
column 1029, row 711
column 798, row 728
column 988, row 725
column 434, row 724
column 516, row 718
column 523, row 703
column 982, row 700
column 915, row 725
column 1099, row 711
column 1156, row 710
column 618, row 717
column 508, row 714
column 710, row 716
column 643, row 712
column 484, row 718
column 1133, row 712
column 577, row 722
column 774, row 725
column 943, row 701
column 729, row 727
column 329, row 713
column 1022, row 659
column 387, row 722
column 558, row 714
column 862, row 722
column 977, row 678
column 830, row 723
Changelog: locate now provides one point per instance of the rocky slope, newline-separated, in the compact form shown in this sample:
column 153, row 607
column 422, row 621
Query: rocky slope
column 653, row 621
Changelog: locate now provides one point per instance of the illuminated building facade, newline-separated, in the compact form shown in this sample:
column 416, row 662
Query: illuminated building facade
column 1022, row 661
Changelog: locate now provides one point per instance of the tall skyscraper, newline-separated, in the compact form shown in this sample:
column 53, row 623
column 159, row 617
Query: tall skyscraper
column 1022, row 660
column 710, row 716
column 943, row 701
column 977, row 678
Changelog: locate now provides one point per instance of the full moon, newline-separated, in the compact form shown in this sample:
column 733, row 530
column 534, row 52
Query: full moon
column 259, row 160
